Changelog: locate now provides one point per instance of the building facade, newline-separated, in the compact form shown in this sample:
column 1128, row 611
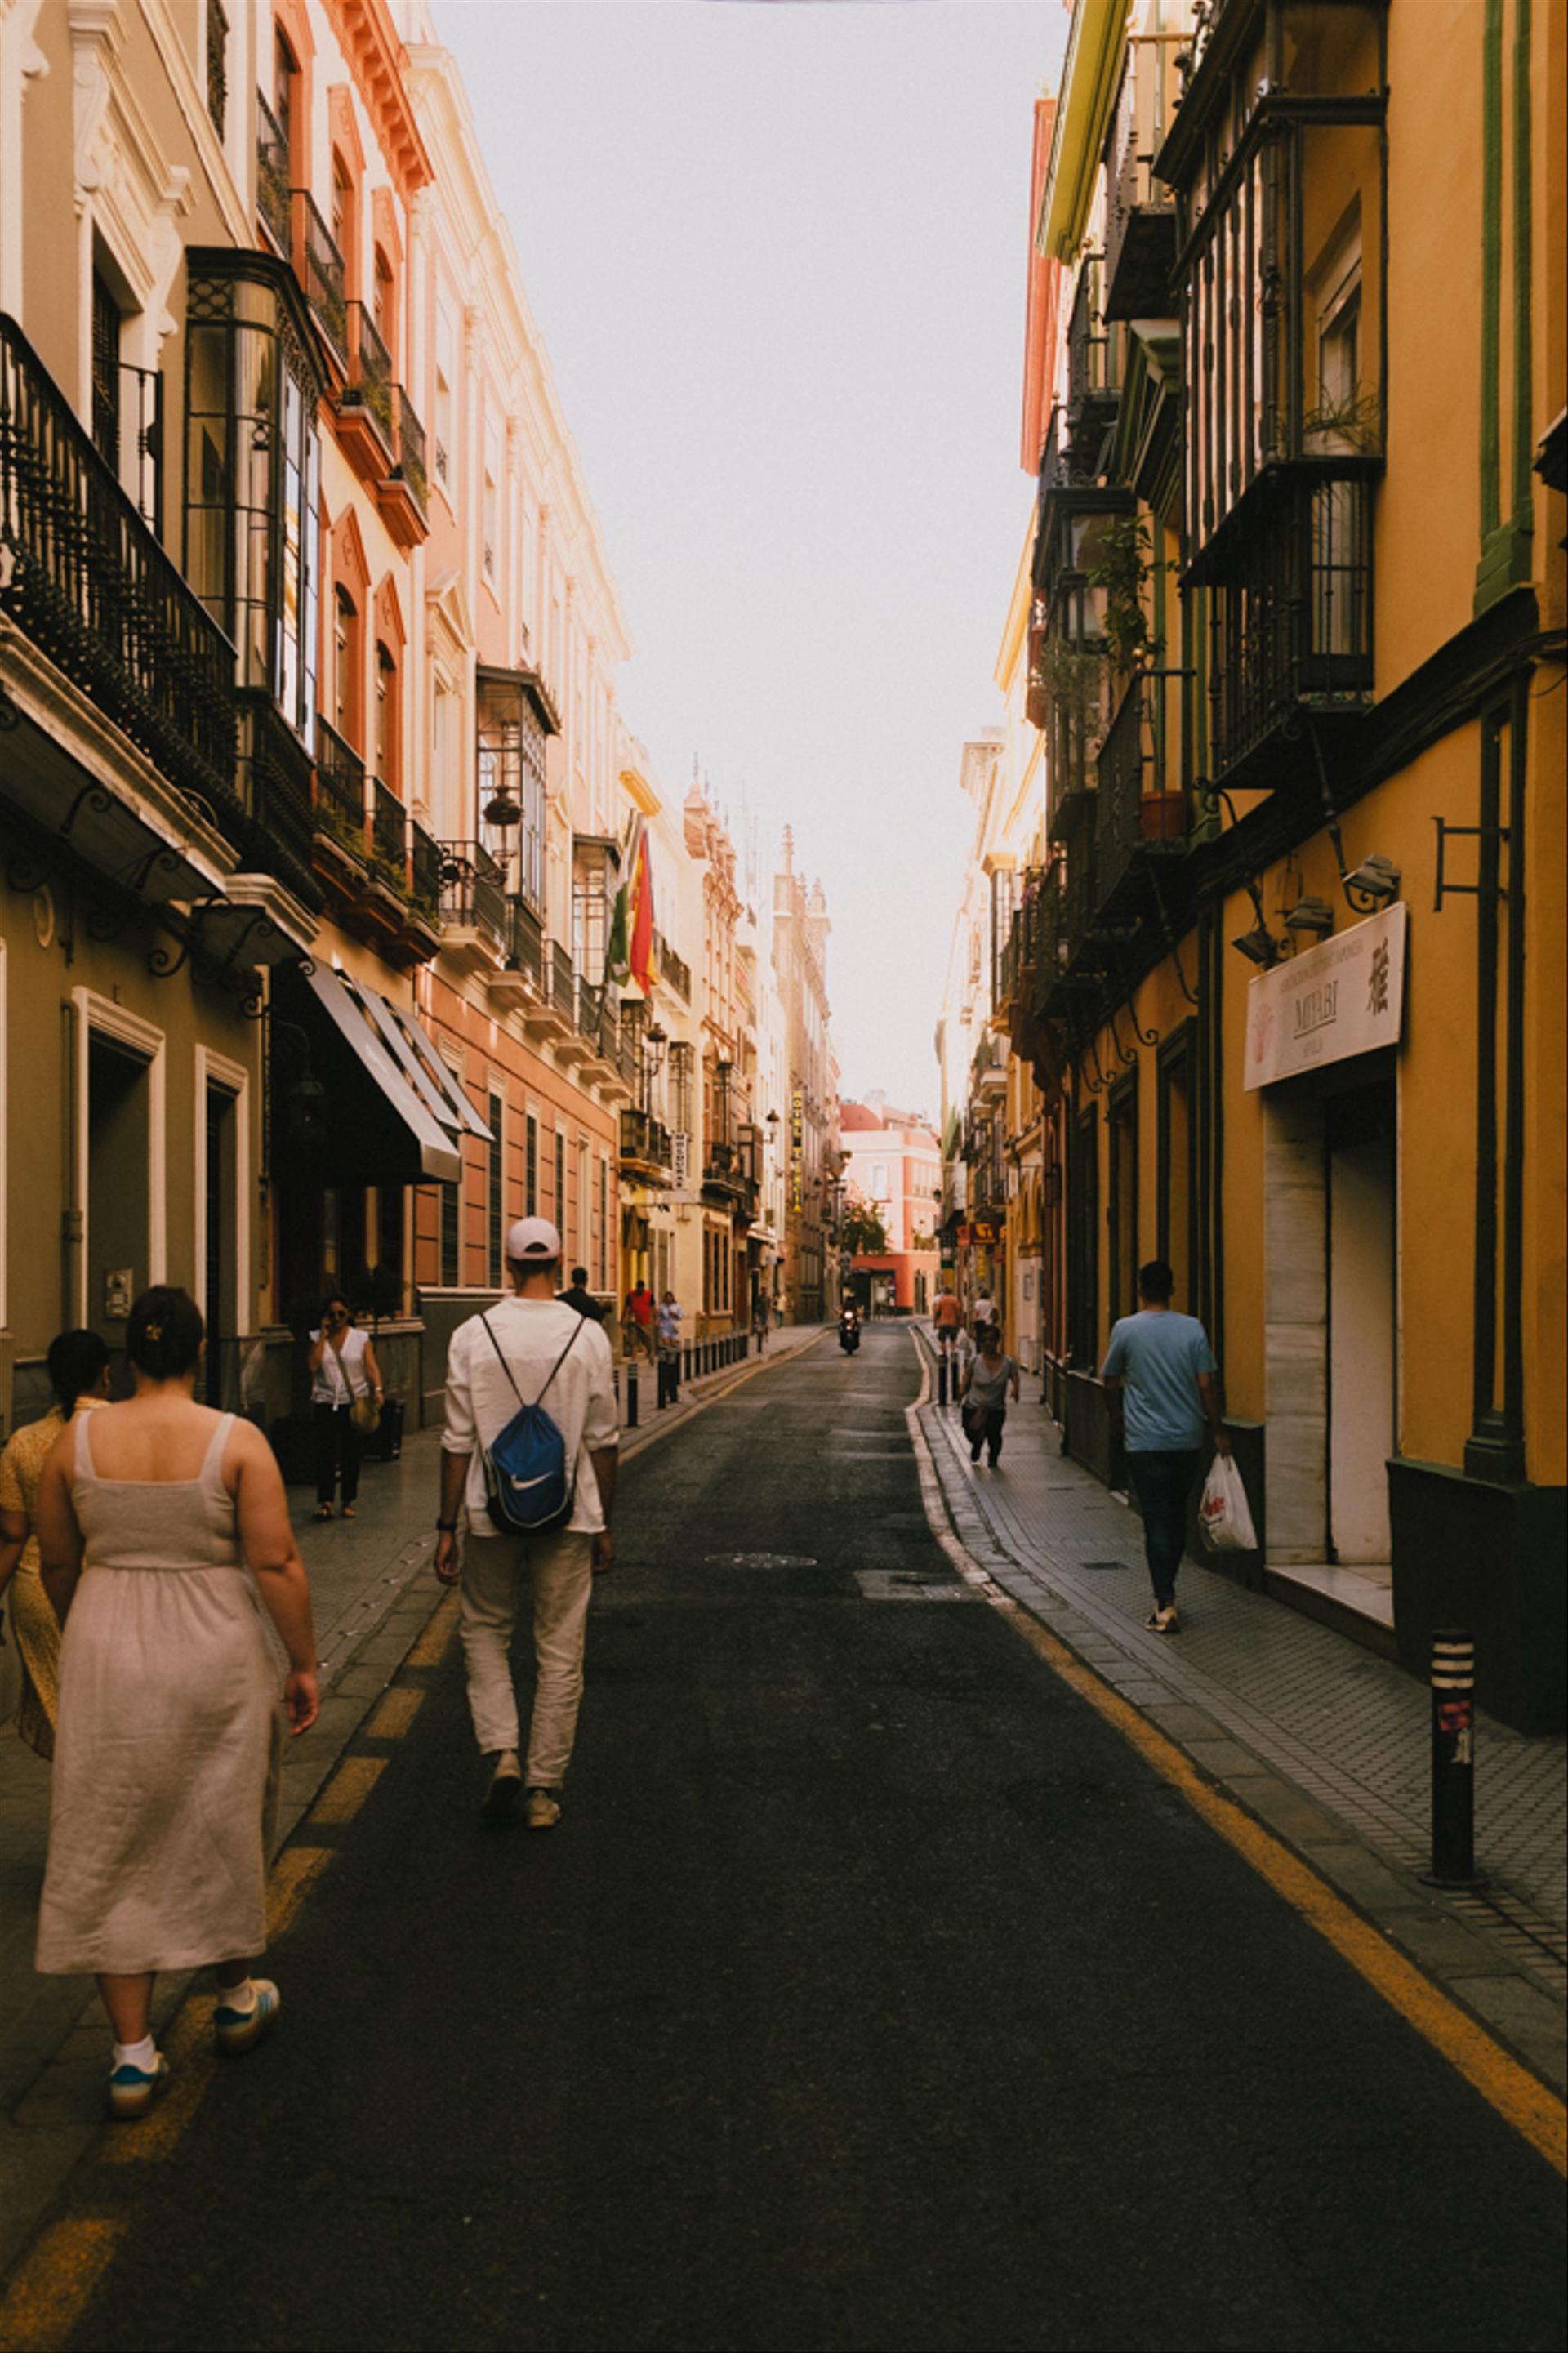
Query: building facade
column 890, row 1162
column 1283, row 975
column 800, row 933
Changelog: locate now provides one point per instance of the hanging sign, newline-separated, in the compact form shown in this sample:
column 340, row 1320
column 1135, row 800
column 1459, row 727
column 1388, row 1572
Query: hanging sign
column 1344, row 997
column 680, row 1159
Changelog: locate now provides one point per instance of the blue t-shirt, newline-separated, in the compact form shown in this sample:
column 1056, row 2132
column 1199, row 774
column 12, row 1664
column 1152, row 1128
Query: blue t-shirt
column 1159, row 1354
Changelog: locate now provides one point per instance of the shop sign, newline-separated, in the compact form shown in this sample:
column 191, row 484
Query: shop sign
column 1344, row 997
column 680, row 1159
column 984, row 1232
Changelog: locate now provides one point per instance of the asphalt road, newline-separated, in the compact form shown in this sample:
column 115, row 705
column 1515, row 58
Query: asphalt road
column 873, row 1994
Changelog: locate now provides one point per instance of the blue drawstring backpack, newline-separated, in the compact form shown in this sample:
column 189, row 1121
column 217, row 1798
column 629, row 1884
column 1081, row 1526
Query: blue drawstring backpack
column 529, row 1486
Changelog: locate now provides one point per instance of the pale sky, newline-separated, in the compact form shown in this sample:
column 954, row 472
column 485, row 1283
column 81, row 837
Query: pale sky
column 777, row 252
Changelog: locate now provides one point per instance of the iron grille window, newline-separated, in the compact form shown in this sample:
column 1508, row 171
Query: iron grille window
column 531, row 1168
column 511, row 737
column 451, row 1210
column 560, row 1183
column 496, row 1204
column 105, row 373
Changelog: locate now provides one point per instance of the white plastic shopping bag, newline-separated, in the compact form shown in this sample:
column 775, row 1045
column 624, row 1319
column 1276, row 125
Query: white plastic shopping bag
column 1223, row 1515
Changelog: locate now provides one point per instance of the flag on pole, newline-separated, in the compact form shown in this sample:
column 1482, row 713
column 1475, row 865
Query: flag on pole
column 628, row 955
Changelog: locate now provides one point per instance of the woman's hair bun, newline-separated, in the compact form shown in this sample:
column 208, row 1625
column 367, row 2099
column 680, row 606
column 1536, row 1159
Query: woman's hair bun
column 164, row 1338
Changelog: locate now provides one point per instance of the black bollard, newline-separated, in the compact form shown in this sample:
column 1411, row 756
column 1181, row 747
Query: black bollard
column 1453, row 1758
column 631, row 1393
column 942, row 1376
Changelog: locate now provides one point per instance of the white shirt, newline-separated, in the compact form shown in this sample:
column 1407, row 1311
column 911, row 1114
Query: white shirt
column 984, row 1309
column 580, row 1401
column 335, row 1383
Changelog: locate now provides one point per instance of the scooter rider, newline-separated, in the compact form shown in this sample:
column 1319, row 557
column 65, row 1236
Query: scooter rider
column 849, row 1328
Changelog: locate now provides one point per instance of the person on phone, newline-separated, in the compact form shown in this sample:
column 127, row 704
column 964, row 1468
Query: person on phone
column 343, row 1371
column 1163, row 1387
column 166, row 1755
column 984, row 1386
column 536, row 1346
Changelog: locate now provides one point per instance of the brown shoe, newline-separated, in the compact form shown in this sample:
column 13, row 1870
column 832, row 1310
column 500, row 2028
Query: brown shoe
column 544, row 1809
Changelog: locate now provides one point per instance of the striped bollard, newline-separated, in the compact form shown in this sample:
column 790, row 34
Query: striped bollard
column 1453, row 1759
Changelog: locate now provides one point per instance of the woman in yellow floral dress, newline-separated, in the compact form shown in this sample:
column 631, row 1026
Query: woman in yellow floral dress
column 79, row 1375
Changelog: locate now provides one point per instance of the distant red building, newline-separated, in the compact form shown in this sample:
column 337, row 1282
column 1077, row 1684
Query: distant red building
column 892, row 1161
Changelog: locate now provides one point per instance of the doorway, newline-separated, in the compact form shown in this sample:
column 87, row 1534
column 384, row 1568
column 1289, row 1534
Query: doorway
column 219, row 1266
column 1359, row 1135
column 119, row 1200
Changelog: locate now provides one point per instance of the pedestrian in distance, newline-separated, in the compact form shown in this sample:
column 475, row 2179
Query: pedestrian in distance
column 762, row 1316
column 946, row 1320
column 78, row 1365
column 985, row 1310
column 638, row 1321
column 167, row 1751
column 532, row 1346
column 579, row 1296
column 983, row 1386
column 346, row 1398
column 1161, row 1384
column 669, row 1317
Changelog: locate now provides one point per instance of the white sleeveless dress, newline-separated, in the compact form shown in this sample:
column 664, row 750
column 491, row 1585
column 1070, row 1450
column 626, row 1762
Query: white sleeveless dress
column 170, row 1737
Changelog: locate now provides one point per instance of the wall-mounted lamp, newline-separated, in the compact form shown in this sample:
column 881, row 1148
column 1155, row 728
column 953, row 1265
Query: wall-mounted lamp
column 1373, row 884
column 1313, row 915
column 1258, row 945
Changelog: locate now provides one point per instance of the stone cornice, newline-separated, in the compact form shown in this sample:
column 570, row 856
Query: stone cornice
column 378, row 62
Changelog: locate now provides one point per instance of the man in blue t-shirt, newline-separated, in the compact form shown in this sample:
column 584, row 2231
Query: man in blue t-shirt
column 1160, row 1375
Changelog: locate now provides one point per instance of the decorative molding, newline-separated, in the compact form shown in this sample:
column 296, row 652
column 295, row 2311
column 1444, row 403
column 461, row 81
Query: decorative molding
column 379, row 63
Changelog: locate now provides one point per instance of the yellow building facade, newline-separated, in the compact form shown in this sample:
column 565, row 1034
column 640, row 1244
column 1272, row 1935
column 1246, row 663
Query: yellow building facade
column 1292, row 974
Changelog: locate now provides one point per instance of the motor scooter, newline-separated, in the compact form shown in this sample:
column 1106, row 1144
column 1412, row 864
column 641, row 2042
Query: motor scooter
column 848, row 1331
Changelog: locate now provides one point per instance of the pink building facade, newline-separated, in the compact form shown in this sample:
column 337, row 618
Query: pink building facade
column 893, row 1162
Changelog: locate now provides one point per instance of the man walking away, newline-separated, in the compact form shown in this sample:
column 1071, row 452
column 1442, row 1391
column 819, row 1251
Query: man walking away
column 945, row 1319
column 1159, row 1378
column 984, row 1387
column 560, row 1359
column 580, row 1297
column 636, row 1321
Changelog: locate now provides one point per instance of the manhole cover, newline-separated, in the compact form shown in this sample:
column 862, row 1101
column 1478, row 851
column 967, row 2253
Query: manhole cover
column 762, row 1560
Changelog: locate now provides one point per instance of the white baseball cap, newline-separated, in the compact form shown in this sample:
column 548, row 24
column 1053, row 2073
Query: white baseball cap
column 532, row 1238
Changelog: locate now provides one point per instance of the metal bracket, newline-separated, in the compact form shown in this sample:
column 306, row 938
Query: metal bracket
column 1447, row 889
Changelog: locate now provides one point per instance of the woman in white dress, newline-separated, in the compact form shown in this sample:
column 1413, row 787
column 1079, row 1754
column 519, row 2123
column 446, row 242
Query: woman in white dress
column 344, row 1373
column 167, row 1747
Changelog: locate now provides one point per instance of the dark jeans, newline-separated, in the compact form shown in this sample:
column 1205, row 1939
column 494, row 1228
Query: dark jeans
column 1162, row 1483
column 335, row 1435
column 985, row 1429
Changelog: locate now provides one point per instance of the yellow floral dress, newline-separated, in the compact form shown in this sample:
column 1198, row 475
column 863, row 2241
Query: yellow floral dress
column 33, row 1619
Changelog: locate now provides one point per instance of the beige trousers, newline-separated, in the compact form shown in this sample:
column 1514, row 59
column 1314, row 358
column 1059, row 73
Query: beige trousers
column 560, row 1570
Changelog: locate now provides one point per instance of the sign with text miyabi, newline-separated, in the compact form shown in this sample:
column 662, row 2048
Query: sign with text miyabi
column 1344, row 997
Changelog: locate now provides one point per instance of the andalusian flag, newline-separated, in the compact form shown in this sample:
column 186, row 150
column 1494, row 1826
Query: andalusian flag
column 629, row 955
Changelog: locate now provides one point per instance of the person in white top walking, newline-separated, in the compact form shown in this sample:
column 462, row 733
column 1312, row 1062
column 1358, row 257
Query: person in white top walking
column 533, row 1332
column 343, row 1374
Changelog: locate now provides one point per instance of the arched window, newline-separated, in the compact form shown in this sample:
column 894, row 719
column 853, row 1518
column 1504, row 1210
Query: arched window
column 386, row 714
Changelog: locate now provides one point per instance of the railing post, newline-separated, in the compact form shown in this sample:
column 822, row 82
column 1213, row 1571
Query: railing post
column 631, row 1393
column 942, row 1376
column 1453, row 1759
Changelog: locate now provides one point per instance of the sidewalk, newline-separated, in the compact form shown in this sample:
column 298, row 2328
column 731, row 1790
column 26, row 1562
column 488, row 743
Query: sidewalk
column 1328, row 1744
column 372, row 1596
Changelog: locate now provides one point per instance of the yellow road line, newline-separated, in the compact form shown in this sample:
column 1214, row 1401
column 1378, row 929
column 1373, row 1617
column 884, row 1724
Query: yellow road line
column 293, row 1874
column 1518, row 2096
column 51, row 2288
column 396, row 1714
column 193, row 2062
column 434, row 1643
column 347, row 1790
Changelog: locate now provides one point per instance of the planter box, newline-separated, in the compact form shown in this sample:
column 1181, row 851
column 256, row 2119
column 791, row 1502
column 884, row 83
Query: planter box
column 1162, row 817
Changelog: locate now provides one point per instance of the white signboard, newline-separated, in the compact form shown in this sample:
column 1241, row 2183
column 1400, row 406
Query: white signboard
column 1344, row 997
column 679, row 1159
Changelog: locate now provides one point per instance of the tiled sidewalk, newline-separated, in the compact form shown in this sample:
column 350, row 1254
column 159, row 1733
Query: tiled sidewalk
column 1349, row 1731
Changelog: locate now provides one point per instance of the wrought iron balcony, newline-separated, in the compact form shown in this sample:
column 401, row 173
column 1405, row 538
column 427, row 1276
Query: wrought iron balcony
column 425, row 864
column 274, row 191
column 274, row 777
column 525, row 944
column 370, row 389
column 409, row 449
column 562, row 976
column 1137, row 818
column 1290, row 617
column 1140, row 212
column 388, row 837
column 321, row 270
column 1094, row 380
column 84, row 578
column 644, row 1140
column 473, row 892
column 340, row 791
column 673, row 969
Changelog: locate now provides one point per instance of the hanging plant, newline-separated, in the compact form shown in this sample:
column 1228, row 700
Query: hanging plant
column 1124, row 571
column 1354, row 422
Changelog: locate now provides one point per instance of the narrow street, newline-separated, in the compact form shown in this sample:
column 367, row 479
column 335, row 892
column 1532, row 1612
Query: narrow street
column 873, row 1994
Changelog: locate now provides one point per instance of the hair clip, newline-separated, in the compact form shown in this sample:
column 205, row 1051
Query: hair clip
column 154, row 1331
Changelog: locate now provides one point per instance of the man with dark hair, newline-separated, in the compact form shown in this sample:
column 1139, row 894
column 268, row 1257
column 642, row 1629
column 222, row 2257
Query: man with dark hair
column 1161, row 1382
column 580, row 1297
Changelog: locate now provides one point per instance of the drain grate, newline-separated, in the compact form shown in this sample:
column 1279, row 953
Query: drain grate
column 1103, row 1564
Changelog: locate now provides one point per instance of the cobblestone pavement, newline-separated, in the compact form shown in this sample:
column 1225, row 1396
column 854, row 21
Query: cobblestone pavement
column 1349, row 1731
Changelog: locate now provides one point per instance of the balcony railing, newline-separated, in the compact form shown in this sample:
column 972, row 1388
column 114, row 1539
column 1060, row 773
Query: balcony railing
column 370, row 385
column 321, row 274
column 473, row 894
column 274, row 191
column 644, row 1139
column 1290, row 609
column 1136, row 819
column 673, row 970
column 339, row 790
column 274, row 775
column 563, row 981
column 409, row 449
column 87, row 581
column 525, row 943
column 424, row 863
column 1140, row 212
column 1094, row 382
column 388, row 837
